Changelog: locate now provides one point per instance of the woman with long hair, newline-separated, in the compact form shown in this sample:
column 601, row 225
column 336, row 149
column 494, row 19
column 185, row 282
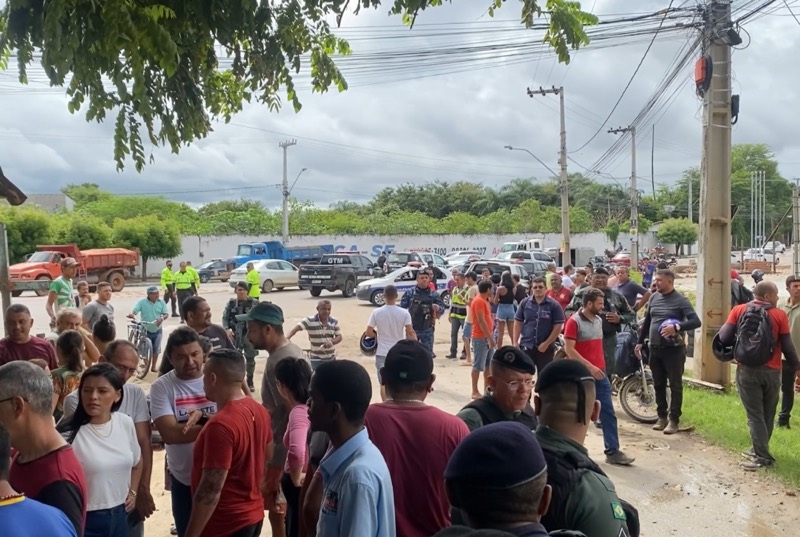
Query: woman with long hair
column 103, row 333
column 69, row 351
column 504, row 298
column 294, row 377
column 105, row 443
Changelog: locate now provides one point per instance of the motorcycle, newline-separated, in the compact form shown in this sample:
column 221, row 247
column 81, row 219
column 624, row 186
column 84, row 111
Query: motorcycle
column 637, row 395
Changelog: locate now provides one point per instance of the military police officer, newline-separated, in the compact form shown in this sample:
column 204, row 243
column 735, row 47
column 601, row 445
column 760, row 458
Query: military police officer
column 425, row 306
column 237, row 330
column 510, row 383
column 583, row 498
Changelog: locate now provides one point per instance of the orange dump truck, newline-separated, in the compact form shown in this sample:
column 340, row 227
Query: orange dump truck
column 112, row 265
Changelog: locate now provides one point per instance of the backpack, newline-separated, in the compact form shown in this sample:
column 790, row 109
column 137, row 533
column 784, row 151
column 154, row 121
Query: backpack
column 754, row 338
column 564, row 471
column 740, row 294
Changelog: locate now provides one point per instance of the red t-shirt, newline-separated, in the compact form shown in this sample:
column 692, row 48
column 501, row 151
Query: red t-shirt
column 563, row 296
column 780, row 326
column 35, row 348
column 55, row 479
column 588, row 337
column 479, row 304
column 416, row 443
column 234, row 439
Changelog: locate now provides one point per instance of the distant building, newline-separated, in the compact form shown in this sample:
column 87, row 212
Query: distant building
column 52, row 203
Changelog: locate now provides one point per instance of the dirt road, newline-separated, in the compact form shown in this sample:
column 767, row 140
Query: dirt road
column 681, row 485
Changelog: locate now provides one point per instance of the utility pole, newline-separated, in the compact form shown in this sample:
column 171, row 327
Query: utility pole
column 653, row 162
column 5, row 261
column 714, row 282
column 796, row 228
column 285, row 188
column 566, row 255
column 634, row 196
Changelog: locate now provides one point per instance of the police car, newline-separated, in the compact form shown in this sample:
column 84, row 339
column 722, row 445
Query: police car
column 404, row 278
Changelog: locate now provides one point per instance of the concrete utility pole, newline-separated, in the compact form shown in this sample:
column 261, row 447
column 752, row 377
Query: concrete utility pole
column 796, row 228
column 714, row 281
column 5, row 261
column 634, row 196
column 566, row 257
column 285, row 188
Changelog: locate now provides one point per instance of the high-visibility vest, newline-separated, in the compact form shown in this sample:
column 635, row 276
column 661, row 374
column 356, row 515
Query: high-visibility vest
column 458, row 303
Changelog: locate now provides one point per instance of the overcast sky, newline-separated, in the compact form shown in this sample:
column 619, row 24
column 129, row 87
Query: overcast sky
column 397, row 124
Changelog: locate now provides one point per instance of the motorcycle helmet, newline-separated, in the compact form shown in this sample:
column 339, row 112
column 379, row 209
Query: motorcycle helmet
column 368, row 345
column 723, row 353
column 670, row 322
column 757, row 275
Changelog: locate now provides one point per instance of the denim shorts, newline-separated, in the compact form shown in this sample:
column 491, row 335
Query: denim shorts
column 480, row 353
column 379, row 363
column 155, row 339
column 505, row 312
column 467, row 331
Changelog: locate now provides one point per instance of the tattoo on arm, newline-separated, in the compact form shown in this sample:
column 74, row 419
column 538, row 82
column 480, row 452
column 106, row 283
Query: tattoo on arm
column 210, row 487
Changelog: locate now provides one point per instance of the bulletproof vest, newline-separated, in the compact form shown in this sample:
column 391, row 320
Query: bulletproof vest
column 421, row 310
column 564, row 471
column 491, row 413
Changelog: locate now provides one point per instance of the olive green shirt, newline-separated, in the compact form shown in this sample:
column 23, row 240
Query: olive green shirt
column 793, row 312
column 473, row 419
column 593, row 507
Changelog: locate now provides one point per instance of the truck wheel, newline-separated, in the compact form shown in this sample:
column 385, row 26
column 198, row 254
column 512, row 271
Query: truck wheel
column 267, row 286
column 16, row 293
column 349, row 288
column 43, row 292
column 204, row 278
column 117, row 281
column 377, row 298
column 315, row 291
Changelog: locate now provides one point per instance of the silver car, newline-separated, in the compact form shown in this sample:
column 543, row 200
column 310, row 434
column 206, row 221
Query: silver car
column 273, row 274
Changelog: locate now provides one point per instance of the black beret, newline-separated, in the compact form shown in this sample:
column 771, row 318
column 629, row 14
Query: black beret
column 497, row 456
column 566, row 372
column 602, row 270
column 513, row 358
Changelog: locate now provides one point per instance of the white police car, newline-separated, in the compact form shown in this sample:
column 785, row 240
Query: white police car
column 404, row 279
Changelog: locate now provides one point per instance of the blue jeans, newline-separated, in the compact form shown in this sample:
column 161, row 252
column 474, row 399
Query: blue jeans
column 107, row 523
column 181, row 504
column 455, row 325
column 380, row 361
column 608, row 418
column 426, row 338
column 480, row 353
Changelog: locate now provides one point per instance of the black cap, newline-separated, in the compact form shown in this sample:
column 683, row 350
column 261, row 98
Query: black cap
column 497, row 456
column 602, row 270
column 513, row 358
column 566, row 372
column 408, row 361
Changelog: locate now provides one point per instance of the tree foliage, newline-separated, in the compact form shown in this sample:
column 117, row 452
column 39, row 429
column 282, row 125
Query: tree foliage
column 163, row 62
column 678, row 231
column 87, row 231
column 25, row 228
column 152, row 236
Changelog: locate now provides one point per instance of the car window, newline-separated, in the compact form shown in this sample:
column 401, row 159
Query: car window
column 438, row 260
column 366, row 262
column 287, row 266
column 273, row 265
column 440, row 274
column 411, row 275
column 399, row 259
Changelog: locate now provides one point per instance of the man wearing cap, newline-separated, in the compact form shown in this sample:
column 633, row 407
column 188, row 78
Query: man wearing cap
column 583, row 498
column 153, row 313
column 61, row 294
column 459, row 298
column 265, row 332
column 403, row 420
column 510, row 383
column 497, row 477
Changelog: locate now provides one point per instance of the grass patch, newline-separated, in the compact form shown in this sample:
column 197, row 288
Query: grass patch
column 720, row 418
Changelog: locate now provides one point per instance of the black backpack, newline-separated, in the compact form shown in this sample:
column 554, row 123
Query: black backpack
column 754, row 338
column 564, row 471
column 421, row 310
column 740, row 294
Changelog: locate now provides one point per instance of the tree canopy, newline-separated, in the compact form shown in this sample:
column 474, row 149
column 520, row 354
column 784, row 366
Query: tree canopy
column 159, row 67
column 677, row 231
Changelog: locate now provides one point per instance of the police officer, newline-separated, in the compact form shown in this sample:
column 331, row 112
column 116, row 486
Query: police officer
column 184, row 284
column 497, row 477
column 459, row 298
column 195, row 278
column 510, row 383
column 237, row 330
column 424, row 306
column 616, row 313
column 168, row 285
column 583, row 498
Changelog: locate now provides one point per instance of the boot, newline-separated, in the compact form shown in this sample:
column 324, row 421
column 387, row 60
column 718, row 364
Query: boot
column 250, row 383
column 660, row 425
column 619, row 458
column 672, row 427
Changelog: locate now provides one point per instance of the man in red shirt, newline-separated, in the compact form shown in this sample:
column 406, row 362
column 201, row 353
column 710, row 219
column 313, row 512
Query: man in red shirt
column 760, row 386
column 404, row 420
column 558, row 292
column 20, row 344
column 230, row 455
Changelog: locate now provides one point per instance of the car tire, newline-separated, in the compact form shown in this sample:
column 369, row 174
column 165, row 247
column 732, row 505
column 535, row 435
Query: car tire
column 377, row 298
column 446, row 298
column 204, row 278
column 349, row 288
column 315, row 291
column 267, row 286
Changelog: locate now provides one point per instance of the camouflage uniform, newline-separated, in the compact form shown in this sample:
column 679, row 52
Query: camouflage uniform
column 239, row 328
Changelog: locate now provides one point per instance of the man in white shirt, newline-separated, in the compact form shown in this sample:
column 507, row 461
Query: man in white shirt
column 122, row 355
column 566, row 278
column 389, row 324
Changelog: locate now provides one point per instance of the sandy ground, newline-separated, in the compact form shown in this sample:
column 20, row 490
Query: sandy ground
column 680, row 484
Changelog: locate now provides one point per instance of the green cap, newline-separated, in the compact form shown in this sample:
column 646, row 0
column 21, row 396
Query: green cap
column 264, row 312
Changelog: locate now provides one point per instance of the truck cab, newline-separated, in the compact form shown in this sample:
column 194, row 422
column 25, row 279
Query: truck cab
column 528, row 244
column 296, row 255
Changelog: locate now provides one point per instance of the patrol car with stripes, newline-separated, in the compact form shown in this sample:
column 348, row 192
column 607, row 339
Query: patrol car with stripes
column 404, row 278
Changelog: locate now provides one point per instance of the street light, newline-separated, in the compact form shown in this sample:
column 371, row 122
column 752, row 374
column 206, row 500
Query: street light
column 510, row 148
column 295, row 180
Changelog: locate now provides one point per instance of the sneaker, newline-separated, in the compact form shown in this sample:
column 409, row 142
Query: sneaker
column 173, row 530
column 451, row 356
column 672, row 427
column 660, row 425
column 252, row 387
column 598, row 424
column 754, row 465
column 619, row 458
column 749, row 454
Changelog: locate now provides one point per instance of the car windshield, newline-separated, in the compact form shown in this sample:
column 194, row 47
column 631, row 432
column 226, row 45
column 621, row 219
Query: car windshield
column 509, row 247
column 505, row 254
column 40, row 257
column 399, row 258
column 244, row 249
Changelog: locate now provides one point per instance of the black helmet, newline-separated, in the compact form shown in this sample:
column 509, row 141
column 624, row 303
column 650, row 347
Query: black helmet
column 723, row 353
column 757, row 275
column 369, row 345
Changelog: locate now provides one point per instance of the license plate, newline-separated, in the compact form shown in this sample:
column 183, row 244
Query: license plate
column 316, row 281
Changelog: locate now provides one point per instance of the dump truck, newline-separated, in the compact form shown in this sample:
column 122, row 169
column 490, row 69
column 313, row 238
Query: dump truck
column 296, row 255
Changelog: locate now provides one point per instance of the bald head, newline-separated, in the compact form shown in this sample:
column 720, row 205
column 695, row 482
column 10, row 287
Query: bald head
column 766, row 291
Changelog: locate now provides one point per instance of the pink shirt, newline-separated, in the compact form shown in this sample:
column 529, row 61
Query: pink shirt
column 296, row 439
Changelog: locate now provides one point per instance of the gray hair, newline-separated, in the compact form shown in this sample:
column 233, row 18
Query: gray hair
column 26, row 380
column 16, row 309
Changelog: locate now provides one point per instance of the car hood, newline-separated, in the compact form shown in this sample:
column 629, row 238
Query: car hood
column 25, row 267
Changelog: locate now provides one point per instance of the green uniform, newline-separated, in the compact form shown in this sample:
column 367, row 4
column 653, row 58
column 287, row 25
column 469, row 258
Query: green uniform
column 474, row 419
column 183, row 280
column 253, row 281
column 239, row 329
column 592, row 505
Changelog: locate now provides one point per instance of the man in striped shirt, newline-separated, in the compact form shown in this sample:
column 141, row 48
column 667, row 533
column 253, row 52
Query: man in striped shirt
column 323, row 334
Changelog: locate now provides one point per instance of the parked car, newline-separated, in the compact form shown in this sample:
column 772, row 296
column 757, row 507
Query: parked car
column 600, row 261
column 455, row 253
column 404, row 278
column 461, row 259
column 533, row 267
column 398, row 260
column 273, row 274
column 761, row 254
column 216, row 269
column 777, row 246
column 341, row 271
column 438, row 261
column 525, row 254
column 498, row 267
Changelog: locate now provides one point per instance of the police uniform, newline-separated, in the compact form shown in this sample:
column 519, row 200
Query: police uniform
column 168, row 284
column 499, row 458
column 419, row 303
column 239, row 328
column 485, row 410
column 584, row 498
column 184, row 282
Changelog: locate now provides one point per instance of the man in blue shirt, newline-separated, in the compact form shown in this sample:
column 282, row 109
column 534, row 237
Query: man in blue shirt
column 538, row 322
column 357, row 498
column 153, row 312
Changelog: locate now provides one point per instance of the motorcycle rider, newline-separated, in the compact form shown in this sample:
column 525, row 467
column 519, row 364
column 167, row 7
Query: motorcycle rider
column 237, row 330
column 425, row 306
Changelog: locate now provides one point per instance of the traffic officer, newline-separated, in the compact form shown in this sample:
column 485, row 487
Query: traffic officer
column 253, row 281
column 195, row 277
column 237, row 330
column 168, row 286
column 184, row 282
column 583, row 498
column 616, row 313
column 510, row 383
column 425, row 306
column 459, row 298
